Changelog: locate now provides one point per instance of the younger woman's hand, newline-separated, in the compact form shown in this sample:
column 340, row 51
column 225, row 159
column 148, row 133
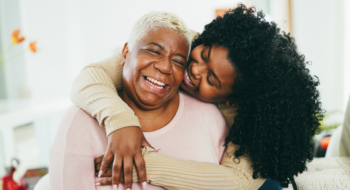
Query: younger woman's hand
column 124, row 149
column 106, row 181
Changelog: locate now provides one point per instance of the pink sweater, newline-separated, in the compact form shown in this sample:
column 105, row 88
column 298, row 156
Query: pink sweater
column 197, row 132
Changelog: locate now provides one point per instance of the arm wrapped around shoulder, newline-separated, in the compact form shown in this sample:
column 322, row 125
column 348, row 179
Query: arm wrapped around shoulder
column 175, row 173
column 95, row 91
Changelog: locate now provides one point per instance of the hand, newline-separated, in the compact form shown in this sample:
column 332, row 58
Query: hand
column 107, row 172
column 106, row 181
column 124, row 149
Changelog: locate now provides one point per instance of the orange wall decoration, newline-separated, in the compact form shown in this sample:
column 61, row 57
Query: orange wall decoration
column 220, row 12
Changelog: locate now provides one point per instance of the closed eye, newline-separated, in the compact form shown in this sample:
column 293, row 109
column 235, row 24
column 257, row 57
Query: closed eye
column 210, row 83
column 153, row 51
column 179, row 62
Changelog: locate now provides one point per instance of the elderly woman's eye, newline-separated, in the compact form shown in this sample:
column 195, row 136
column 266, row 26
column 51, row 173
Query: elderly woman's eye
column 153, row 51
column 179, row 62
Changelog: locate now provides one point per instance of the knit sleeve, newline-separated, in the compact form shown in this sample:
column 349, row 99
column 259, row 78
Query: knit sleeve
column 175, row 173
column 94, row 90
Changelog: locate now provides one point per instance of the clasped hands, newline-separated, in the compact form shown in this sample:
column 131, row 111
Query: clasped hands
column 123, row 151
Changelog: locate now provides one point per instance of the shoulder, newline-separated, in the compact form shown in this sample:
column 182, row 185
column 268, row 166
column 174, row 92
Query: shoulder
column 77, row 123
column 207, row 112
column 193, row 104
column 77, row 131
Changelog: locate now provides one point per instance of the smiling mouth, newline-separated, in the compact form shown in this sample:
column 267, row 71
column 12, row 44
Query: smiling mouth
column 188, row 78
column 155, row 83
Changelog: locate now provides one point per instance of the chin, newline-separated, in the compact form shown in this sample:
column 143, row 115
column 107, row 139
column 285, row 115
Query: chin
column 150, row 103
column 191, row 92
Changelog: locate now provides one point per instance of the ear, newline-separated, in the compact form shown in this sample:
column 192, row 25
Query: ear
column 125, row 51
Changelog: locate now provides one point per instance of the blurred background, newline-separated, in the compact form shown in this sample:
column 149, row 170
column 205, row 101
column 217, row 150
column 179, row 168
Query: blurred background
column 69, row 34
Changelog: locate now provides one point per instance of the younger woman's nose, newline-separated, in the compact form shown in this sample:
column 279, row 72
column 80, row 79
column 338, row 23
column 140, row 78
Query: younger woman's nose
column 198, row 70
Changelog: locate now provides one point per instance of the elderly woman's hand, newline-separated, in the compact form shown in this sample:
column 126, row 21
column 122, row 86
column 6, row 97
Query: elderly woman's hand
column 107, row 174
column 124, row 149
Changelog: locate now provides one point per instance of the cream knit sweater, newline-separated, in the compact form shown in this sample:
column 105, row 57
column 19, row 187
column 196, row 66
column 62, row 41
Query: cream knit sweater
column 95, row 91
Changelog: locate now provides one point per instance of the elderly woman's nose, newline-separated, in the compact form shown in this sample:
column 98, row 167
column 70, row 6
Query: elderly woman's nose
column 164, row 66
column 199, row 69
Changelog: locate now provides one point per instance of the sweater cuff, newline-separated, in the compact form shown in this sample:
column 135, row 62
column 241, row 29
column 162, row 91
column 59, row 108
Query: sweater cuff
column 119, row 121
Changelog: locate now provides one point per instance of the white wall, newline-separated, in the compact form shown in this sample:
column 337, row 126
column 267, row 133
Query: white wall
column 74, row 33
column 13, row 71
column 318, row 28
column 346, row 72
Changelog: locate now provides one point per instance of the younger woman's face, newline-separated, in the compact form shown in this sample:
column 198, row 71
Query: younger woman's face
column 209, row 75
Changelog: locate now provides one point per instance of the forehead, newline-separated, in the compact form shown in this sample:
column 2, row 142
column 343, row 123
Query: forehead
column 221, row 66
column 166, row 37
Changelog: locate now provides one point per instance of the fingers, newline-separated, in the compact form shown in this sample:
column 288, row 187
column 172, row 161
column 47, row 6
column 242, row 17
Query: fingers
column 145, row 143
column 107, row 181
column 98, row 166
column 105, row 162
column 98, row 160
column 141, row 169
column 107, row 173
column 117, row 165
column 128, row 169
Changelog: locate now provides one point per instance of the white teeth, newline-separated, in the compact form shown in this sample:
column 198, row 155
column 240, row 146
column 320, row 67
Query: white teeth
column 188, row 78
column 155, row 85
column 161, row 85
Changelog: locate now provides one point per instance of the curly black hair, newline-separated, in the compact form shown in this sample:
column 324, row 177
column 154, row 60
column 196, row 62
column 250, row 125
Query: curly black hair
column 279, row 105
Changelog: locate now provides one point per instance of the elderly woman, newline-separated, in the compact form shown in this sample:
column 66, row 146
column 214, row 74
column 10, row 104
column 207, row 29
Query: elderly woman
column 253, row 73
column 183, row 126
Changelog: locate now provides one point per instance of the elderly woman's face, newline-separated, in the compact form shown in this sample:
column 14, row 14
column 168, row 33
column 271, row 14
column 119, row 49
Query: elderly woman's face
column 154, row 68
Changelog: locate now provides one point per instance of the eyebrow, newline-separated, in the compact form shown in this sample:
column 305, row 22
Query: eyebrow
column 209, row 53
column 179, row 54
column 161, row 47
column 202, row 55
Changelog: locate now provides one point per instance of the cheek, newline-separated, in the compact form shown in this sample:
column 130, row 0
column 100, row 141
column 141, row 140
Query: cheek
column 207, row 93
column 178, row 75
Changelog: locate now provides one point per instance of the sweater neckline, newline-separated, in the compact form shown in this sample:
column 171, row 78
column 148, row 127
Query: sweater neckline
column 172, row 123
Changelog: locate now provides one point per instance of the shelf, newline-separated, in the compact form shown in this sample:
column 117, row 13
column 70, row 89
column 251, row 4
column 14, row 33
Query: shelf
column 14, row 113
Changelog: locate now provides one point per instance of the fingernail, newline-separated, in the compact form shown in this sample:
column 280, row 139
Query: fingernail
column 144, row 185
column 115, row 187
column 100, row 173
column 98, row 183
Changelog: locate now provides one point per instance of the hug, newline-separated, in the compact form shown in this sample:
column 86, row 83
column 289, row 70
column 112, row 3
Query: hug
column 224, row 109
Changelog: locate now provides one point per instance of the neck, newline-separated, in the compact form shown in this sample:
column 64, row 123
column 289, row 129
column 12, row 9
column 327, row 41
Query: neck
column 152, row 120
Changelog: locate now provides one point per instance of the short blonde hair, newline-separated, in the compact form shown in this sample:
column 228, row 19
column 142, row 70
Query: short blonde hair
column 155, row 20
